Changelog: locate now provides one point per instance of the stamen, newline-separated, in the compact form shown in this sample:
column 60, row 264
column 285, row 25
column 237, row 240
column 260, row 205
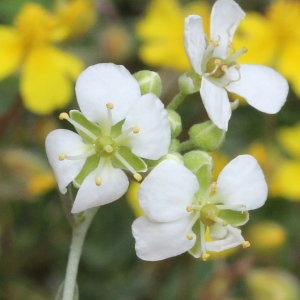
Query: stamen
column 108, row 148
column 246, row 244
column 189, row 236
column 189, row 208
column 136, row 129
column 193, row 220
column 109, row 105
column 61, row 156
column 137, row 176
column 232, row 207
column 79, row 156
column 205, row 256
column 218, row 220
column 64, row 116
column 98, row 181
column 231, row 59
column 224, row 68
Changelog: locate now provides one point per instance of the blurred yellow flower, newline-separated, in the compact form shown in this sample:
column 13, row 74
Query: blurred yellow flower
column 46, row 72
column 282, row 171
column 273, row 39
column 76, row 16
column 161, row 33
column 133, row 200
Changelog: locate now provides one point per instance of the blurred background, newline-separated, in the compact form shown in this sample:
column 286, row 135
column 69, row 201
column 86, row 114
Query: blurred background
column 44, row 45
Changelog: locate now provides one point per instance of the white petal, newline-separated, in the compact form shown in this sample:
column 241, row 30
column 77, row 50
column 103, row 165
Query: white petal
column 262, row 87
column 167, row 191
column 242, row 182
column 217, row 231
column 114, row 184
column 153, row 139
column 157, row 241
column 64, row 141
column 194, row 41
column 216, row 102
column 232, row 239
column 103, row 83
column 225, row 18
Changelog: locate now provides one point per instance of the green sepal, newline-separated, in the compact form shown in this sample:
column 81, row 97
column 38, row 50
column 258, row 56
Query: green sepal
column 233, row 217
column 116, row 130
column 134, row 161
column 59, row 295
column 90, row 165
column 82, row 120
column 196, row 249
column 200, row 163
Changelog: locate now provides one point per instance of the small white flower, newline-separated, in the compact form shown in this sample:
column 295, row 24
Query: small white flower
column 178, row 211
column 117, row 126
column 261, row 86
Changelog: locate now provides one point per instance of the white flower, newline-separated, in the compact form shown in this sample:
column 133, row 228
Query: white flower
column 117, row 126
column 178, row 211
column 261, row 86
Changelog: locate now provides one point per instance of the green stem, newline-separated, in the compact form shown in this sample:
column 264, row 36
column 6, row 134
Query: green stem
column 187, row 145
column 78, row 235
column 177, row 100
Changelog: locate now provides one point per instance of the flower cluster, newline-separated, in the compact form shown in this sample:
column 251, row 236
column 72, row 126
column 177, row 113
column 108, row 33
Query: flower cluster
column 123, row 128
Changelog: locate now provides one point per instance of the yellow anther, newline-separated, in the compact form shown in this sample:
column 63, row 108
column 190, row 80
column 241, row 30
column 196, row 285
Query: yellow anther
column 189, row 236
column 108, row 148
column 246, row 244
column 137, row 176
column 225, row 223
column 109, row 105
column 98, row 181
column 218, row 61
column 213, row 186
column 136, row 129
column 64, row 116
column 205, row 256
column 224, row 68
column 61, row 156
column 237, row 66
column 189, row 208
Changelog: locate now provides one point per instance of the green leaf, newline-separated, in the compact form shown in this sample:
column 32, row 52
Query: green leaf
column 235, row 218
column 134, row 161
column 82, row 120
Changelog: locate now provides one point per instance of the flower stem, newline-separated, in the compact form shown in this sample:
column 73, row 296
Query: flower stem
column 176, row 101
column 78, row 235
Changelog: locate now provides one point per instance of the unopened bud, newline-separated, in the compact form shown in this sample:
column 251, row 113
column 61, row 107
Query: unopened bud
column 150, row 82
column 189, row 82
column 207, row 136
column 175, row 122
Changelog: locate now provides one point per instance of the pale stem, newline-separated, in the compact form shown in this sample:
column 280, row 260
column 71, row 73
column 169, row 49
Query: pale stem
column 78, row 235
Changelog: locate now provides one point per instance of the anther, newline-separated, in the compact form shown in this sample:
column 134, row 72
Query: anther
column 109, row 105
column 137, row 176
column 224, row 68
column 237, row 66
column 64, row 116
column 136, row 129
column 205, row 256
column 189, row 236
column 246, row 244
column 189, row 208
column 98, row 181
column 108, row 149
column 61, row 156
column 218, row 62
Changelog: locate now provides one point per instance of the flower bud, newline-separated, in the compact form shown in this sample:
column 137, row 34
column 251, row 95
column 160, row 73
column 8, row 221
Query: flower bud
column 175, row 122
column 207, row 136
column 189, row 82
column 200, row 163
column 150, row 82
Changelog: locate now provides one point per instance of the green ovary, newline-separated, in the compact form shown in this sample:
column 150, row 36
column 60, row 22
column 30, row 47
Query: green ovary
column 208, row 213
column 105, row 146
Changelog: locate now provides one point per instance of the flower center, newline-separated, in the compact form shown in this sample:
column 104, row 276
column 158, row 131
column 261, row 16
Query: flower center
column 105, row 146
column 208, row 213
column 216, row 67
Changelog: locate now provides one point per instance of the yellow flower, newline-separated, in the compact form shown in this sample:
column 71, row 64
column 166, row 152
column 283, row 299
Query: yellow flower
column 76, row 16
column 133, row 200
column 161, row 31
column 46, row 72
column 273, row 39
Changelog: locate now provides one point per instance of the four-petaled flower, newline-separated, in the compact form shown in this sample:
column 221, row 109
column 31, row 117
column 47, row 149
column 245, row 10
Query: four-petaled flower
column 261, row 86
column 178, row 211
column 117, row 126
